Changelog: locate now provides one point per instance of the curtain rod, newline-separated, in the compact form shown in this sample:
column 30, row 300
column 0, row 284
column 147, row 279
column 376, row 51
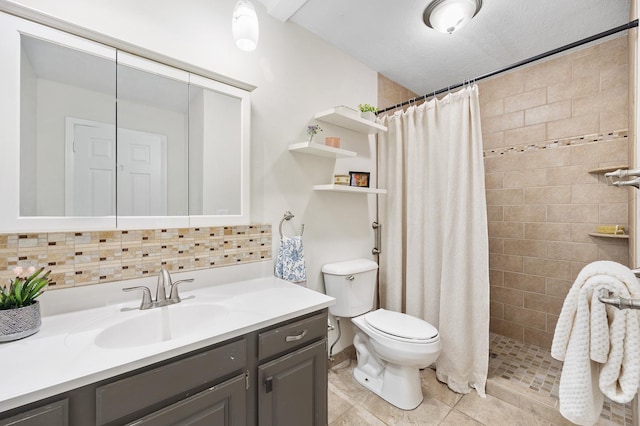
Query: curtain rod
column 632, row 24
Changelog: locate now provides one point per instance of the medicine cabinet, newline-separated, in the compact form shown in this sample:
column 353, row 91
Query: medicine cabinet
column 97, row 138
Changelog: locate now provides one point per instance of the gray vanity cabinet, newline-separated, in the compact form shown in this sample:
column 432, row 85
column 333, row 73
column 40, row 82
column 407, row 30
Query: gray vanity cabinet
column 274, row 376
column 292, row 374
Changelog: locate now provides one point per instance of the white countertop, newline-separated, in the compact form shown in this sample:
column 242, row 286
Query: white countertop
column 63, row 354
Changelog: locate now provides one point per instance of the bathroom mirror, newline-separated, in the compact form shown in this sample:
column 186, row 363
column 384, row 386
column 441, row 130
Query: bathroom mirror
column 152, row 139
column 214, row 152
column 67, row 130
column 102, row 139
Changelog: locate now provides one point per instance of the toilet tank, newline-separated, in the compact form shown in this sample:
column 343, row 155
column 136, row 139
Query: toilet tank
column 353, row 284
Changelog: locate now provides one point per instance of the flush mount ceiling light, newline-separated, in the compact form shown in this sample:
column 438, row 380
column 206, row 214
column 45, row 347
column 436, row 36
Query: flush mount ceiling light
column 244, row 25
column 448, row 16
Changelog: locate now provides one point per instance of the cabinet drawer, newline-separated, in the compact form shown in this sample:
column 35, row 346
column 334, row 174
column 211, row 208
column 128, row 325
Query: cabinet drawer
column 54, row 414
column 136, row 393
column 290, row 336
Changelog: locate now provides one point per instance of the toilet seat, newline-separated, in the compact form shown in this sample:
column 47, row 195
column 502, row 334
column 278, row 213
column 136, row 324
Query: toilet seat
column 401, row 327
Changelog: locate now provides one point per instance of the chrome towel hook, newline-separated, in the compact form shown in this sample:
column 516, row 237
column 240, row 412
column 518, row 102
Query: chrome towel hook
column 288, row 216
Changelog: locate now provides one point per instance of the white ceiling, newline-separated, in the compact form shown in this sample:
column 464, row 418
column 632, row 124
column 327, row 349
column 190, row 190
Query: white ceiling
column 390, row 37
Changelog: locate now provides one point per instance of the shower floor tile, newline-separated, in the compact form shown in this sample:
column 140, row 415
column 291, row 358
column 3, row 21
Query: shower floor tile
column 532, row 368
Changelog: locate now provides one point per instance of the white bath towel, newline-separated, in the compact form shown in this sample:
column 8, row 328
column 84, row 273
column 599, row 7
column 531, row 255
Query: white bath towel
column 290, row 264
column 590, row 334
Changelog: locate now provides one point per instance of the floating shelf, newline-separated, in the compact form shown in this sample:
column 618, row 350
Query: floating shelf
column 609, row 169
column 339, row 118
column 621, row 236
column 346, row 188
column 320, row 150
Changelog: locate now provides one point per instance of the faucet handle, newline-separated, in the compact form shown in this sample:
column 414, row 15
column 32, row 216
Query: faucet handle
column 174, row 289
column 146, row 296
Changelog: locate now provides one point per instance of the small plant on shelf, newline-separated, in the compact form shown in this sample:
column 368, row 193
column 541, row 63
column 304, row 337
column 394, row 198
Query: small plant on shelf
column 23, row 290
column 368, row 112
column 367, row 108
column 313, row 130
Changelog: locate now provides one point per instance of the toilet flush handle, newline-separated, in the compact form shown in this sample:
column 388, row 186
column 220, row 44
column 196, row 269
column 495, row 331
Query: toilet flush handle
column 350, row 278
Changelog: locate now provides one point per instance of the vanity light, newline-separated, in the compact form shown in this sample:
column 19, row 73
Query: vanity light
column 244, row 25
column 448, row 16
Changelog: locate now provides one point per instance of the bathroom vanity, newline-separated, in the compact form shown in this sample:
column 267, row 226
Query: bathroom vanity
column 263, row 362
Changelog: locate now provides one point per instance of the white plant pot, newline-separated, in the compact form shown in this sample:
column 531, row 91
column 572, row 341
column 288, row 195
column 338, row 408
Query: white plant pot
column 368, row 115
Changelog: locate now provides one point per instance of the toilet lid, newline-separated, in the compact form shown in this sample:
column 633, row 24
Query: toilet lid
column 401, row 325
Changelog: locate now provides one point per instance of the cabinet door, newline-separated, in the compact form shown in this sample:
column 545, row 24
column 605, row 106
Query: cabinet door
column 55, row 414
column 224, row 404
column 293, row 388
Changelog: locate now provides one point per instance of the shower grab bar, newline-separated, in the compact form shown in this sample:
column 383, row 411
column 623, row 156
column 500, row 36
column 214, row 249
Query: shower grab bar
column 288, row 216
column 376, row 226
column 619, row 302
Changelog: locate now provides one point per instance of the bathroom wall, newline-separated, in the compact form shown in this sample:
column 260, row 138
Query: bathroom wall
column 296, row 75
column 544, row 127
column 391, row 93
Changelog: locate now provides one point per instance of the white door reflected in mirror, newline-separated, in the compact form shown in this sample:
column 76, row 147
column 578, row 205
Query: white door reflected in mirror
column 142, row 173
column 90, row 171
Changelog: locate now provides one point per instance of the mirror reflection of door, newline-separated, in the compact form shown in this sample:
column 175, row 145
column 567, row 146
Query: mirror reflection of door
column 142, row 173
column 91, row 171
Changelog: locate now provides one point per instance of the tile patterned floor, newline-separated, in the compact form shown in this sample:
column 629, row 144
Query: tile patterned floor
column 533, row 368
column 521, row 383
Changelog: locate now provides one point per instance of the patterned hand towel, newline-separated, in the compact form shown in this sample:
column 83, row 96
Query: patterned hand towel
column 290, row 263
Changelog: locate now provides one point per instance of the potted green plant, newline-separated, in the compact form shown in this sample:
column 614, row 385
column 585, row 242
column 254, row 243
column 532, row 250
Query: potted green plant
column 19, row 309
column 368, row 112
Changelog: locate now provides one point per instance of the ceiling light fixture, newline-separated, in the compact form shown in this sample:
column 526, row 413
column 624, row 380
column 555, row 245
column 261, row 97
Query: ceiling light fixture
column 244, row 25
column 448, row 16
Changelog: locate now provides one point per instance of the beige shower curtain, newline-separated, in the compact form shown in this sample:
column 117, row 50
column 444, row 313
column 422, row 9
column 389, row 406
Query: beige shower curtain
column 434, row 263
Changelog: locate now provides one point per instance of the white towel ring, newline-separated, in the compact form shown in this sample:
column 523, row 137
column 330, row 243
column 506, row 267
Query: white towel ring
column 288, row 216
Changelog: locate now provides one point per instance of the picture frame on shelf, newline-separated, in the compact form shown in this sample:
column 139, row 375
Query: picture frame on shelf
column 359, row 179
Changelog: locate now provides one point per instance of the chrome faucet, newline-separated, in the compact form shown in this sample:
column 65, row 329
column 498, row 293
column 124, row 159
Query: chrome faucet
column 164, row 280
column 164, row 283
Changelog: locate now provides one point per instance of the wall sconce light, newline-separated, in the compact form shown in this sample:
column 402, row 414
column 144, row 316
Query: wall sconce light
column 244, row 25
column 448, row 16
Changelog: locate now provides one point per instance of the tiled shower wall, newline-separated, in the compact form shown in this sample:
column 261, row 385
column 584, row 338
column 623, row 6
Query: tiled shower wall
column 92, row 257
column 544, row 127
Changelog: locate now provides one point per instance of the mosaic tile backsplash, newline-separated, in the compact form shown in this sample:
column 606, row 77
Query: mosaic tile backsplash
column 81, row 258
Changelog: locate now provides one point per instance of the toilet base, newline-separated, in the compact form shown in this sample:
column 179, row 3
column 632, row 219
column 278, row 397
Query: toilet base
column 397, row 385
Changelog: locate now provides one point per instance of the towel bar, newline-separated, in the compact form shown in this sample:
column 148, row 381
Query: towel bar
column 619, row 302
column 288, row 216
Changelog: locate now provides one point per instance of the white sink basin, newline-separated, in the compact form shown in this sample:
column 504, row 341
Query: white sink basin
column 161, row 324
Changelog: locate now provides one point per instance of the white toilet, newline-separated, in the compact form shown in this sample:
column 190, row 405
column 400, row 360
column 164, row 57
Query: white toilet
column 391, row 347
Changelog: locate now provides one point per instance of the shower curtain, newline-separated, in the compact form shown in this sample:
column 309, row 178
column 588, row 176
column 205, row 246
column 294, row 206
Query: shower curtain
column 434, row 263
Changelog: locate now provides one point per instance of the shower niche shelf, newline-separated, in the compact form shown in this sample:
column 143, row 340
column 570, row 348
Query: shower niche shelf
column 339, row 118
column 619, row 236
column 350, row 189
column 609, row 169
column 320, row 150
